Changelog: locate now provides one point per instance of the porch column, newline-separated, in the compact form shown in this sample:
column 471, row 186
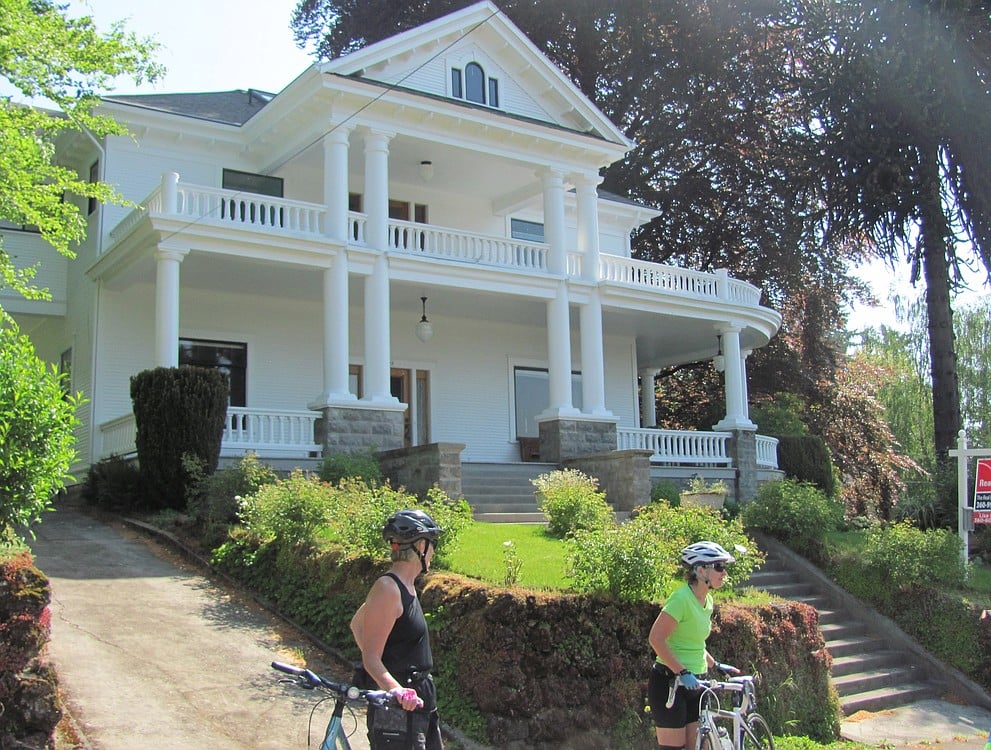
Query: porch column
column 559, row 354
column 735, row 418
column 167, row 260
column 588, row 224
column 593, row 359
column 335, row 183
column 377, row 189
column 336, row 343
column 553, row 183
column 377, row 343
column 648, row 399
column 744, row 353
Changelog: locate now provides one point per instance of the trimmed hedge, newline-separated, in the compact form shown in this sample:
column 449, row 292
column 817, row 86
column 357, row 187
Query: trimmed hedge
column 177, row 411
column 806, row 458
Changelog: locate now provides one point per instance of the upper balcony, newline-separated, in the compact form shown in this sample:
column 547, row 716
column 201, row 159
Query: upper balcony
column 254, row 216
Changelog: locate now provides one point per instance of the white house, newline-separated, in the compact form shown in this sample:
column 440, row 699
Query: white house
column 405, row 247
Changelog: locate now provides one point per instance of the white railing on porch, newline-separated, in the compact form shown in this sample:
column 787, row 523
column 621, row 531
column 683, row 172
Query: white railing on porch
column 206, row 205
column 677, row 446
column 451, row 244
column 282, row 433
column 767, row 452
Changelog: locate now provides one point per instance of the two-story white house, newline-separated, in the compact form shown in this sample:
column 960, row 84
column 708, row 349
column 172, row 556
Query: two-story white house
column 405, row 248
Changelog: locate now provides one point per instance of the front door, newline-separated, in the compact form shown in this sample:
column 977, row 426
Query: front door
column 411, row 387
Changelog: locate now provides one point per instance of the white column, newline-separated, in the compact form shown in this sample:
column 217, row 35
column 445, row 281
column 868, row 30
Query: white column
column 744, row 353
column 377, row 188
column 559, row 354
column 553, row 184
column 170, row 193
column 167, row 262
column 648, row 401
column 588, row 224
column 336, row 341
column 593, row 359
column 335, row 183
column 735, row 418
column 377, row 343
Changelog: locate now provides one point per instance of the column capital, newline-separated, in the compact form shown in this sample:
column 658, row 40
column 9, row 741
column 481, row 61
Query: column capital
column 170, row 252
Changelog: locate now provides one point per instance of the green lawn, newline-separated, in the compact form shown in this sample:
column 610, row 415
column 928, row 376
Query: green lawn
column 481, row 554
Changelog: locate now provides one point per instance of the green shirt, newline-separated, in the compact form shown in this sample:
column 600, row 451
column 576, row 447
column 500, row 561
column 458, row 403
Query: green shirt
column 694, row 624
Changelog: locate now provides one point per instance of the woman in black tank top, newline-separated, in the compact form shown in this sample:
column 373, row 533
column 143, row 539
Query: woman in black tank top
column 391, row 633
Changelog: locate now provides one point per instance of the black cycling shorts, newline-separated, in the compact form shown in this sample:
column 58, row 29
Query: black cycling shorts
column 684, row 710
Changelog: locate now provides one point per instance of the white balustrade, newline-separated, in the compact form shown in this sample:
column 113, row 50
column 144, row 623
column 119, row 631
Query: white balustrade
column 266, row 431
column 451, row 244
column 214, row 206
column 677, row 446
column 118, row 437
column 767, row 451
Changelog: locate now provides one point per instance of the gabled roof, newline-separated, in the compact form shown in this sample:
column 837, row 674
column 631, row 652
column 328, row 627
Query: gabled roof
column 396, row 59
column 227, row 107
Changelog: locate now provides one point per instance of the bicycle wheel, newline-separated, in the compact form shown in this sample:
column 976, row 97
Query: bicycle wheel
column 757, row 734
column 707, row 740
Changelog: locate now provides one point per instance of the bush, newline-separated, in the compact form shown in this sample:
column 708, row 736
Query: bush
column 338, row 466
column 572, row 501
column 903, row 555
column 640, row 560
column 289, row 511
column 113, row 484
column 214, row 499
column 667, row 490
column 37, row 443
column 797, row 513
column 177, row 411
column 807, row 459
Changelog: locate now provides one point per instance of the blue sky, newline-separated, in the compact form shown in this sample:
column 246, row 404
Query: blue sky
column 218, row 45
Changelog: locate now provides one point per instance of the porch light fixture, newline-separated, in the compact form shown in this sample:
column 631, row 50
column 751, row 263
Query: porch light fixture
column 424, row 329
column 426, row 170
column 719, row 362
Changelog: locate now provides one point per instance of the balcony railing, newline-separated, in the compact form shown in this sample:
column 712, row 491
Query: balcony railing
column 767, row 452
column 677, row 446
column 213, row 206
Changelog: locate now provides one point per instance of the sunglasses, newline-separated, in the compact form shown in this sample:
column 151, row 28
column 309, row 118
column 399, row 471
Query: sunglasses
column 719, row 567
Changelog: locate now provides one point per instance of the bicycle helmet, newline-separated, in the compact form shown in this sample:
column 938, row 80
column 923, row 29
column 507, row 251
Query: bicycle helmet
column 407, row 526
column 705, row 553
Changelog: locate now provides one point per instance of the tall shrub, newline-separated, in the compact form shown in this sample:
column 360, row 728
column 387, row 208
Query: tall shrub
column 37, row 444
column 797, row 513
column 177, row 411
column 806, row 458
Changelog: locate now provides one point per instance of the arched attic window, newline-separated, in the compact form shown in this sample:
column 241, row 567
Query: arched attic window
column 472, row 85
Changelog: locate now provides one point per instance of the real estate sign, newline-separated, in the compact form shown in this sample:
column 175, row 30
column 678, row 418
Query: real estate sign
column 982, row 492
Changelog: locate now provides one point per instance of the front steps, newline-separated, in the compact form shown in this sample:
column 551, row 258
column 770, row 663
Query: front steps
column 869, row 671
column 502, row 493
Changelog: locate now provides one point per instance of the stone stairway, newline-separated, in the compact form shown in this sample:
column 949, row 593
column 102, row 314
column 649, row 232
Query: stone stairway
column 502, row 493
column 869, row 671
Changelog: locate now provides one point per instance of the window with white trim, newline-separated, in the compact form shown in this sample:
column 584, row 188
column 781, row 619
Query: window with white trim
column 532, row 393
column 230, row 357
column 471, row 84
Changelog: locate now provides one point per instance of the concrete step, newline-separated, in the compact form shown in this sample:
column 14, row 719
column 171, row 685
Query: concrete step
column 841, row 630
column 522, row 517
column 873, row 679
column 494, row 506
column 856, row 644
column 862, row 662
column 790, row 590
column 886, row 698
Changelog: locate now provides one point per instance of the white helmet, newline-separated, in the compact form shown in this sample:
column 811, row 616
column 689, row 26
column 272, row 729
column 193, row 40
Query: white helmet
column 705, row 553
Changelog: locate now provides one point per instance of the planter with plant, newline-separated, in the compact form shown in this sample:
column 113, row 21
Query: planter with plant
column 703, row 492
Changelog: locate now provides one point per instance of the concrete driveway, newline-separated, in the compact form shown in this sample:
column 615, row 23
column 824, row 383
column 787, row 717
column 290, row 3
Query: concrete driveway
column 150, row 653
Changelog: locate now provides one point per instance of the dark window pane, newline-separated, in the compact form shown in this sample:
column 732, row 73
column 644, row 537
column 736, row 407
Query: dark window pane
column 526, row 230
column 493, row 92
column 474, row 83
column 230, row 357
column 456, row 90
column 248, row 182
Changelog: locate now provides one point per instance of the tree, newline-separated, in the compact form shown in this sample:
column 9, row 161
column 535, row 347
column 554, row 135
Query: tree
column 66, row 61
column 37, row 419
column 898, row 99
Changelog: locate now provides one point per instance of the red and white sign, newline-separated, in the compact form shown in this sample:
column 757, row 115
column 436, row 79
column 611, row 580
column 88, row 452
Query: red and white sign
column 982, row 492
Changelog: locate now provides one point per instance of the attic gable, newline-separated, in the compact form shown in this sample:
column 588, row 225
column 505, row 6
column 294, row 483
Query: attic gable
column 479, row 57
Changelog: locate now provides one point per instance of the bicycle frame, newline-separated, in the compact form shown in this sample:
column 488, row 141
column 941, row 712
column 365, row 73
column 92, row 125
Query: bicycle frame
column 335, row 738
column 739, row 720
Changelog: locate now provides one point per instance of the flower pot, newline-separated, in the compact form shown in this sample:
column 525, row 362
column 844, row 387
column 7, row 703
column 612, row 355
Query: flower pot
column 710, row 499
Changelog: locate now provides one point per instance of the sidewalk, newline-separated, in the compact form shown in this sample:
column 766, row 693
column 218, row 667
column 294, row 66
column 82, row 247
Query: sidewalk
column 150, row 653
column 929, row 724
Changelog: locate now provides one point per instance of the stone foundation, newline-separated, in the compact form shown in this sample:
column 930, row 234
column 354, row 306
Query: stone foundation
column 742, row 449
column 349, row 429
column 561, row 439
column 623, row 475
column 423, row 466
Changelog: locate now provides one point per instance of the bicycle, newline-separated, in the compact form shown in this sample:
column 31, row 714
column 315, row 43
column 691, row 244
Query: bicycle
column 335, row 737
column 739, row 728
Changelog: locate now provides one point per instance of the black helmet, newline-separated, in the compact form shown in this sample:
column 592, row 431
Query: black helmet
column 407, row 526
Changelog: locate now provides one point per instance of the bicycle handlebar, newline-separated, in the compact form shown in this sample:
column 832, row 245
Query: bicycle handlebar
column 740, row 684
column 310, row 679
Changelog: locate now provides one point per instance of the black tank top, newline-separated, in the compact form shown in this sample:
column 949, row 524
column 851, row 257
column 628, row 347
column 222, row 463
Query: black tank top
column 407, row 649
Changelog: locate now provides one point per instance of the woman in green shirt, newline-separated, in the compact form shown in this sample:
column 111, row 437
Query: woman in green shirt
column 678, row 638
